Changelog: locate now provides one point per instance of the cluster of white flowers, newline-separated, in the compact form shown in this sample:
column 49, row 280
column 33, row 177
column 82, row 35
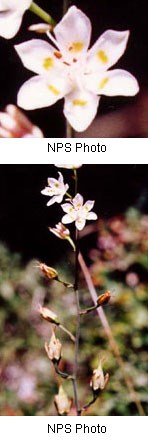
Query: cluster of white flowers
column 68, row 68
column 75, row 210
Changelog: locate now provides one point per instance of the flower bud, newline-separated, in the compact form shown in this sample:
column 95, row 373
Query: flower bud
column 98, row 380
column 104, row 298
column 48, row 315
column 53, row 349
column 60, row 231
column 15, row 124
column 49, row 272
column 62, row 402
column 40, row 28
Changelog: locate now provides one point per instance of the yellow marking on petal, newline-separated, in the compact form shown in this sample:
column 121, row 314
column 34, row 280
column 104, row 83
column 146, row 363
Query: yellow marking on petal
column 79, row 102
column 53, row 89
column 48, row 63
column 102, row 56
column 103, row 82
column 76, row 46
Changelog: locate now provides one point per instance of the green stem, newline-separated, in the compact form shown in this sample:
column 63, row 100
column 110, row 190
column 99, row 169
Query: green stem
column 42, row 14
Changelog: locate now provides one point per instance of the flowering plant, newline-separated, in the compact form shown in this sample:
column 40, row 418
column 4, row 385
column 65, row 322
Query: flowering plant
column 67, row 68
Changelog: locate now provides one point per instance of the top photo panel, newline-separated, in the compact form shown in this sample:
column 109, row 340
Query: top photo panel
column 73, row 69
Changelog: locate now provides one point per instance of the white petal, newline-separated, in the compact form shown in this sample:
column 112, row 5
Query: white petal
column 73, row 32
column 11, row 14
column 91, row 215
column 80, row 223
column 52, row 201
column 115, row 82
column 78, row 201
column 88, row 205
column 52, row 182
column 14, row 5
column 37, row 55
column 38, row 92
column 10, row 23
column 61, row 179
column 68, row 208
column 68, row 219
column 119, row 82
column 107, row 50
column 80, row 109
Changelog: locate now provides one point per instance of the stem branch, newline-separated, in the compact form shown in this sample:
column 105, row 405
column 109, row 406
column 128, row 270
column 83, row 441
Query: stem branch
column 110, row 336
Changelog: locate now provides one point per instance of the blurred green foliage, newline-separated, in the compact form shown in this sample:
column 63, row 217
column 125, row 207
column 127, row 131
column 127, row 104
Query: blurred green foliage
column 119, row 263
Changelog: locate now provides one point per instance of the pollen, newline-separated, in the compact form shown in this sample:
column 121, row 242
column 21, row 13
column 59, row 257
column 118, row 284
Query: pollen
column 53, row 89
column 79, row 102
column 102, row 83
column 48, row 63
column 102, row 56
column 76, row 46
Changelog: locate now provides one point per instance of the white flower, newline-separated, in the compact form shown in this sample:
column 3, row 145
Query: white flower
column 72, row 71
column 11, row 14
column 56, row 189
column 78, row 212
column 69, row 166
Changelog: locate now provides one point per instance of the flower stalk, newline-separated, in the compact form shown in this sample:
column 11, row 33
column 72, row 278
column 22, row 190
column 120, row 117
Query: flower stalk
column 42, row 14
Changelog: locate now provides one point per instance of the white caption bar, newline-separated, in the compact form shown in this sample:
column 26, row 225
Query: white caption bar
column 73, row 429
column 72, row 150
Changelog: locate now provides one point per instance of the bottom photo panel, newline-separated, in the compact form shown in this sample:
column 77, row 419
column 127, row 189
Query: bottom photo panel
column 73, row 290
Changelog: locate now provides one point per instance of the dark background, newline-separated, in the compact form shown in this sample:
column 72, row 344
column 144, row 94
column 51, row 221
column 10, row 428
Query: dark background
column 104, row 14
column 24, row 216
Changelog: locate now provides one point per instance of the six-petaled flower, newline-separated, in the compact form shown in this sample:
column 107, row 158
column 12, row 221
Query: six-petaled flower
column 76, row 211
column 70, row 70
column 56, row 189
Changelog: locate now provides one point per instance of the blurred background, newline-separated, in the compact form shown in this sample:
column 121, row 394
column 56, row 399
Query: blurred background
column 117, row 116
column 115, row 248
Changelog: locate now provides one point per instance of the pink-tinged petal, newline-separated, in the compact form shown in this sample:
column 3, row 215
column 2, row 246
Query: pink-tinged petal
column 80, row 223
column 61, row 180
column 37, row 56
column 91, row 215
column 73, row 32
column 68, row 208
column 88, row 205
column 107, row 50
column 80, row 109
column 52, row 182
column 68, row 219
column 39, row 92
column 78, row 201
